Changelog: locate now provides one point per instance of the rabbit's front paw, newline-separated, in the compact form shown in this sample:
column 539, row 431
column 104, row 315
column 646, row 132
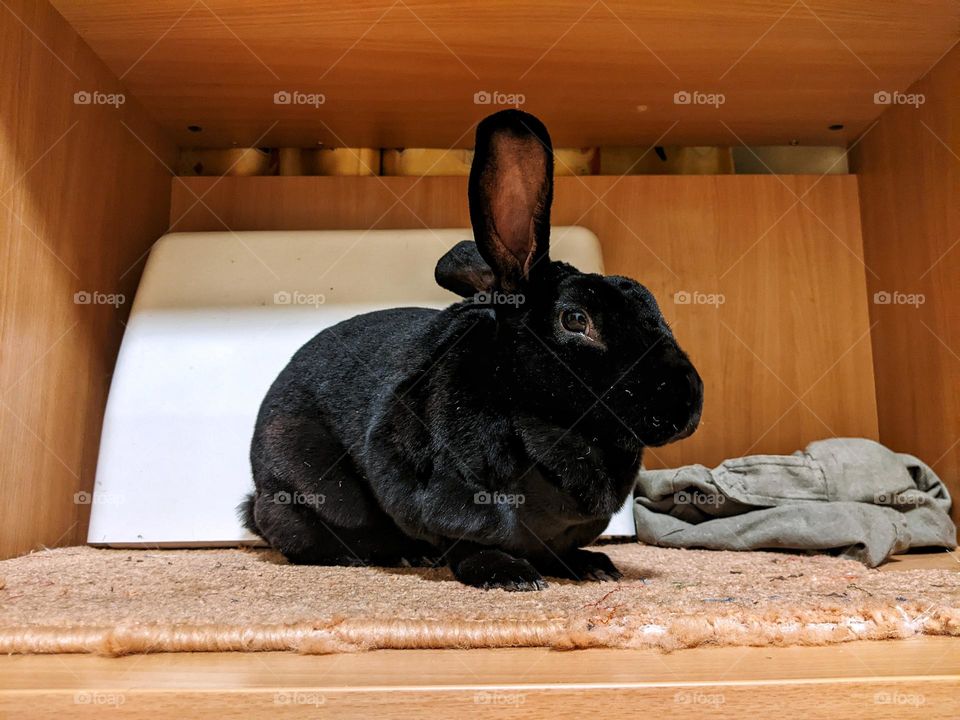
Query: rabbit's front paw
column 586, row 565
column 496, row 569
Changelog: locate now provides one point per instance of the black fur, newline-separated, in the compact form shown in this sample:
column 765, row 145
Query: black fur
column 488, row 435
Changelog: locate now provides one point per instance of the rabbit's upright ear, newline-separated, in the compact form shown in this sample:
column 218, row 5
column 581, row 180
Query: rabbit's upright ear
column 511, row 189
column 463, row 271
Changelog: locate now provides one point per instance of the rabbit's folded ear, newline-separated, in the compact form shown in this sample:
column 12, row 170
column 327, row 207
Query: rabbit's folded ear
column 511, row 189
column 463, row 271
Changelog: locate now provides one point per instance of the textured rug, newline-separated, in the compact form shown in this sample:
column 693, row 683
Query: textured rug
column 115, row 602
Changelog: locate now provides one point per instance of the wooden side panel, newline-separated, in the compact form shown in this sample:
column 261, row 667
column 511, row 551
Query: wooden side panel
column 766, row 293
column 82, row 196
column 909, row 170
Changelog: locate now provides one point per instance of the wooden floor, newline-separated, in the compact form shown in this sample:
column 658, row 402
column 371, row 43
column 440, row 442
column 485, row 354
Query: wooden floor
column 917, row 677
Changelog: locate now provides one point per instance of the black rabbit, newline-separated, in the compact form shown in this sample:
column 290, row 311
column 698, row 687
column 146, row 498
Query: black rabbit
column 498, row 435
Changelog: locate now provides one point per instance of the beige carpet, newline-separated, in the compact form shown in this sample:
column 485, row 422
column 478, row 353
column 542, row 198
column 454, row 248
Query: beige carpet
column 129, row 601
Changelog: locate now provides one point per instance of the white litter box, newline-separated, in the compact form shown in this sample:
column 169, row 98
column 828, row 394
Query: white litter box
column 216, row 317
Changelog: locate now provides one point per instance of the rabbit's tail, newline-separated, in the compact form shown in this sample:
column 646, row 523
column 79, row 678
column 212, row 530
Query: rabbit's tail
column 245, row 511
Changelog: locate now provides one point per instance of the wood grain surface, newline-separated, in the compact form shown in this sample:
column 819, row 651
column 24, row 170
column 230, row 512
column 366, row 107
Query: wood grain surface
column 761, row 277
column 405, row 73
column 83, row 195
column 909, row 172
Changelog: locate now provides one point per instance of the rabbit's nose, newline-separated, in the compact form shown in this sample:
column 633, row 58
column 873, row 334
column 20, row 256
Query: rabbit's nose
column 694, row 403
column 695, row 397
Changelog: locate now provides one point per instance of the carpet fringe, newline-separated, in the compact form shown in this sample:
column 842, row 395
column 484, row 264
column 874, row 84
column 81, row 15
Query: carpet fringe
column 809, row 627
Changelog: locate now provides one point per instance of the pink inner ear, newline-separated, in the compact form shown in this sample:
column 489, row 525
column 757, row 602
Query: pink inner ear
column 520, row 169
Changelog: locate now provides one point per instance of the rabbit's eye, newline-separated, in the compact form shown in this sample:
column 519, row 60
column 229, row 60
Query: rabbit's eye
column 575, row 321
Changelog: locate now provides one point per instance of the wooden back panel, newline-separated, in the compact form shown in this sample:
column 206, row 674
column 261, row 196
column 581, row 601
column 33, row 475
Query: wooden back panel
column 785, row 358
column 909, row 170
column 82, row 196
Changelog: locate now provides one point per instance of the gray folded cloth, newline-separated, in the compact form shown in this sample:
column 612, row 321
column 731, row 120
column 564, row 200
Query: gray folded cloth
column 847, row 494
